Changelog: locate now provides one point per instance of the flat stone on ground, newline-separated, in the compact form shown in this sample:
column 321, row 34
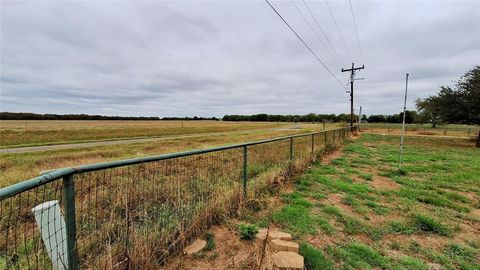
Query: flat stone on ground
column 290, row 260
column 279, row 235
column 282, row 245
column 272, row 234
column 195, row 247
column 260, row 238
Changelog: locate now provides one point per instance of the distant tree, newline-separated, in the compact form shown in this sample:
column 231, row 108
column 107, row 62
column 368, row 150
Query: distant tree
column 376, row 118
column 469, row 88
column 429, row 108
column 460, row 104
column 409, row 116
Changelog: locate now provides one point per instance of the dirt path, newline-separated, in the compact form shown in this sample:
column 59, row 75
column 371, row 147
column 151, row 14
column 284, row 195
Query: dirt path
column 30, row 149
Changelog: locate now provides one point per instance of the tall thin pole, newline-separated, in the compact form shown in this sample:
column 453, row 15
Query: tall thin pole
column 352, row 78
column 359, row 118
column 403, row 124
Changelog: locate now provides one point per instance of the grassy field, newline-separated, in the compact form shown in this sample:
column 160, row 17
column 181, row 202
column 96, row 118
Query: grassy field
column 452, row 130
column 357, row 211
column 21, row 166
column 29, row 133
column 137, row 215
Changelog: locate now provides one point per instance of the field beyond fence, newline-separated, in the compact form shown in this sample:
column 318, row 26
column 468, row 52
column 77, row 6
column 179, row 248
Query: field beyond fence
column 422, row 129
column 136, row 212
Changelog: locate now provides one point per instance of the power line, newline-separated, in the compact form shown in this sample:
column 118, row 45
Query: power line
column 323, row 32
column 315, row 32
column 304, row 43
column 352, row 79
column 338, row 30
column 356, row 32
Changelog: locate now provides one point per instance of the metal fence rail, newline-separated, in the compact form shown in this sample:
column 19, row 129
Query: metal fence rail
column 134, row 212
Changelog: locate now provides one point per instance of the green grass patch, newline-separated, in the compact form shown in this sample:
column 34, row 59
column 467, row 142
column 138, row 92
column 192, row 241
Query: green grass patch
column 428, row 224
column 410, row 263
column 314, row 258
column 247, row 231
column 358, row 256
column 296, row 217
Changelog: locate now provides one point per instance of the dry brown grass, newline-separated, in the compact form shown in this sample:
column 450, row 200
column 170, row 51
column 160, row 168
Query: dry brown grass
column 15, row 133
column 20, row 166
column 138, row 215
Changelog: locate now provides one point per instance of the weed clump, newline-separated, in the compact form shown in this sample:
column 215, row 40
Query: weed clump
column 247, row 231
column 210, row 238
column 428, row 224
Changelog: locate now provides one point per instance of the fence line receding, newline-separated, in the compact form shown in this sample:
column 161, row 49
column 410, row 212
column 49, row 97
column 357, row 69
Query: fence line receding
column 133, row 213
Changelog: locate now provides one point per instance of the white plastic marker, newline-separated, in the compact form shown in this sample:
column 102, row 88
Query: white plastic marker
column 54, row 235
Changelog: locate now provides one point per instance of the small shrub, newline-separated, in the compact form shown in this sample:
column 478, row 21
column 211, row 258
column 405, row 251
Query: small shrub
column 210, row 238
column 247, row 231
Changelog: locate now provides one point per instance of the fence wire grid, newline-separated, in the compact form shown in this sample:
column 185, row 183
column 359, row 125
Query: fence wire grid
column 132, row 214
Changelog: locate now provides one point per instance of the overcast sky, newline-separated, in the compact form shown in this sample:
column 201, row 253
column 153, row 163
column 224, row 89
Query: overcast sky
column 210, row 58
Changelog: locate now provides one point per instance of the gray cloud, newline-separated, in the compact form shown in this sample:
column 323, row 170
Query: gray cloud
column 223, row 57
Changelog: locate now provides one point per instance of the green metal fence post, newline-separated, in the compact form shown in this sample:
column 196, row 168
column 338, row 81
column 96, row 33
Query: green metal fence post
column 69, row 207
column 245, row 167
column 291, row 148
column 313, row 142
column 325, row 133
column 334, row 136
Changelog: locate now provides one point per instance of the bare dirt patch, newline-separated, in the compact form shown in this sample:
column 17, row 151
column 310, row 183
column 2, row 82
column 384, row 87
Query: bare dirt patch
column 327, row 159
column 383, row 183
column 424, row 240
column 476, row 213
column 335, row 199
column 230, row 253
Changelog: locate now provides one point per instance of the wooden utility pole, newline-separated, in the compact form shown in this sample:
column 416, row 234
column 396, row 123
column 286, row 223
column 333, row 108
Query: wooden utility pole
column 352, row 78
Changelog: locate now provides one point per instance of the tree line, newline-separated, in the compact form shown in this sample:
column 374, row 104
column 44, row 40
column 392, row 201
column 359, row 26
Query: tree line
column 311, row 117
column 37, row 116
column 410, row 117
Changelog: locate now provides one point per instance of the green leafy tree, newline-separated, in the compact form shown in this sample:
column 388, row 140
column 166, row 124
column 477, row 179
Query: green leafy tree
column 430, row 109
column 460, row 104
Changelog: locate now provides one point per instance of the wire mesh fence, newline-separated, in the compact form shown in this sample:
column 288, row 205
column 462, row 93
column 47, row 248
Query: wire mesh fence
column 134, row 213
